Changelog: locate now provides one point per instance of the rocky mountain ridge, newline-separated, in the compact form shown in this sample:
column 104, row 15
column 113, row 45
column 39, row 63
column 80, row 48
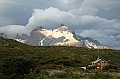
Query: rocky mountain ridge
column 58, row 37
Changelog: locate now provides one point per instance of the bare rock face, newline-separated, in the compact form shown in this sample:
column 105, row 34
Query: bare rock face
column 58, row 37
column 88, row 42
column 17, row 36
column 24, row 36
column 38, row 28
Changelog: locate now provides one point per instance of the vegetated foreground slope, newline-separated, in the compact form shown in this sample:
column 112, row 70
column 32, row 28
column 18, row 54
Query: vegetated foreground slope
column 49, row 54
column 18, row 58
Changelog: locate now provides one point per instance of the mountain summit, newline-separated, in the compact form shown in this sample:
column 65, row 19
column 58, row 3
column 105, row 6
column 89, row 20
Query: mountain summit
column 62, row 25
column 59, row 37
column 38, row 28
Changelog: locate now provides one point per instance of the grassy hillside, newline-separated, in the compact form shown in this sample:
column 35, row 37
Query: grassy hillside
column 53, row 55
column 9, row 47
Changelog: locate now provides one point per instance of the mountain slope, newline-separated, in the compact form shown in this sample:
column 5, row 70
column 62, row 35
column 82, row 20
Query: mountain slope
column 59, row 37
column 89, row 42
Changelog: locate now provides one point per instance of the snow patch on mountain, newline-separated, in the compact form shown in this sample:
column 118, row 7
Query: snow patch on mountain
column 20, row 40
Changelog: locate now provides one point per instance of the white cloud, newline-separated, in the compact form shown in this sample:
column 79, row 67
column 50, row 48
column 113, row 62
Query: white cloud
column 12, row 30
column 84, row 11
column 49, row 18
column 52, row 17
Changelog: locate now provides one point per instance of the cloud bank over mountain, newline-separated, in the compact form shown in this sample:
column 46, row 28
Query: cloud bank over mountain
column 98, row 19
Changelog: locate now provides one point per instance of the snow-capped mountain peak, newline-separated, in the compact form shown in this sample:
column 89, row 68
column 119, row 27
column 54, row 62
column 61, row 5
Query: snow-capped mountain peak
column 60, row 36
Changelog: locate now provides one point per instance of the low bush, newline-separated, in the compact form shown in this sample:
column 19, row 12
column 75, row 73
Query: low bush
column 15, row 67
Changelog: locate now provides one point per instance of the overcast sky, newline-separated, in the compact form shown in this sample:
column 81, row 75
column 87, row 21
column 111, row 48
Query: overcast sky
column 98, row 19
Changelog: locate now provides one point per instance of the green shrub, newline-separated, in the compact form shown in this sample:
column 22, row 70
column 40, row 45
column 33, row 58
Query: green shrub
column 37, row 73
column 102, row 75
column 16, row 66
column 111, row 67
